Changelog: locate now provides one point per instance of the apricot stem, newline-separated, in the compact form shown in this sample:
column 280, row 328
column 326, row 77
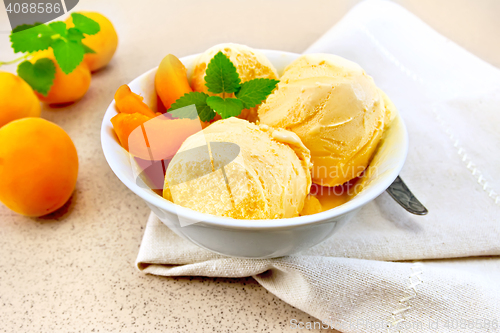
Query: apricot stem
column 15, row 60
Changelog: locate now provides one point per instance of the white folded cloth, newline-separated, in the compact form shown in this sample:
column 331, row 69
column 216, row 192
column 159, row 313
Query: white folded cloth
column 450, row 101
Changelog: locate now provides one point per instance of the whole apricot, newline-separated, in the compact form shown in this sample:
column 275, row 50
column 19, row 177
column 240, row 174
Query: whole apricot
column 38, row 166
column 67, row 88
column 104, row 43
column 17, row 99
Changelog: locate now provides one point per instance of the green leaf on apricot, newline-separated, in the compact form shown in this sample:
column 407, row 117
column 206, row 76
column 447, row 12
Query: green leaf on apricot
column 40, row 75
column 75, row 35
column 59, row 27
column 31, row 38
column 69, row 54
column 85, row 24
column 87, row 49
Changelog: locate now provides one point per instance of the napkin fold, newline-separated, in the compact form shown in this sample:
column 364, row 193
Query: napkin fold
column 449, row 100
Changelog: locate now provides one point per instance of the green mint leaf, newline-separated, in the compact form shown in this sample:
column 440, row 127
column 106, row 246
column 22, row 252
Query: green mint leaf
column 221, row 75
column 59, row 27
column 87, row 49
column 255, row 91
column 226, row 107
column 205, row 112
column 40, row 76
column 69, row 54
column 75, row 35
column 84, row 24
column 31, row 38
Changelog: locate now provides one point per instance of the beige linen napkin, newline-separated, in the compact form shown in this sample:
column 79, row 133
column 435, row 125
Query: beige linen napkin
column 449, row 100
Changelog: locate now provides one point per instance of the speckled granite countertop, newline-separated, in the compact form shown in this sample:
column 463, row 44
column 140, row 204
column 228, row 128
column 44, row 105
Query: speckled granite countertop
column 74, row 271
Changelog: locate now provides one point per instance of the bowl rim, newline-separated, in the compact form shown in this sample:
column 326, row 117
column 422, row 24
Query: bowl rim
column 230, row 223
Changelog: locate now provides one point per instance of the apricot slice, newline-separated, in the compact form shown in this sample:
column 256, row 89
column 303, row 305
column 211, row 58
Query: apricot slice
column 129, row 102
column 153, row 139
column 171, row 81
column 161, row 137
column 125, row 123
column 311, row 206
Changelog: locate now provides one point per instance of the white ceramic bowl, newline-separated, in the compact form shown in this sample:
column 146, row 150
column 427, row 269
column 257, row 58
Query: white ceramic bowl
column 252, row 238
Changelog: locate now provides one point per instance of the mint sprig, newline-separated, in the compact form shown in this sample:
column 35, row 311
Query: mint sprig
column 199, row 99
column 221, row 77
column 226, row 107
column 253, row 92
column 66, row 44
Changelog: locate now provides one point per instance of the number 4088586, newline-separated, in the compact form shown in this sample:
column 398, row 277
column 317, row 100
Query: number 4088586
column 33, row 8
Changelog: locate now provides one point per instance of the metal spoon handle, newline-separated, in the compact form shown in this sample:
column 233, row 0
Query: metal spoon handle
column 403, row 196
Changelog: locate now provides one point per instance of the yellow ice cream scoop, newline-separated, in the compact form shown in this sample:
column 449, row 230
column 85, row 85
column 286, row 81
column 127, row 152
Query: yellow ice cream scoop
column 336, row 110
column 250, row 64
column 260, row 172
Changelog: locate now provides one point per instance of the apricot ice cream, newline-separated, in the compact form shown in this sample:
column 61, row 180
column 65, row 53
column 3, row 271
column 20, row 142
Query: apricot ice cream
column 234, row 168
column 336, row 110
column 250, row 64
